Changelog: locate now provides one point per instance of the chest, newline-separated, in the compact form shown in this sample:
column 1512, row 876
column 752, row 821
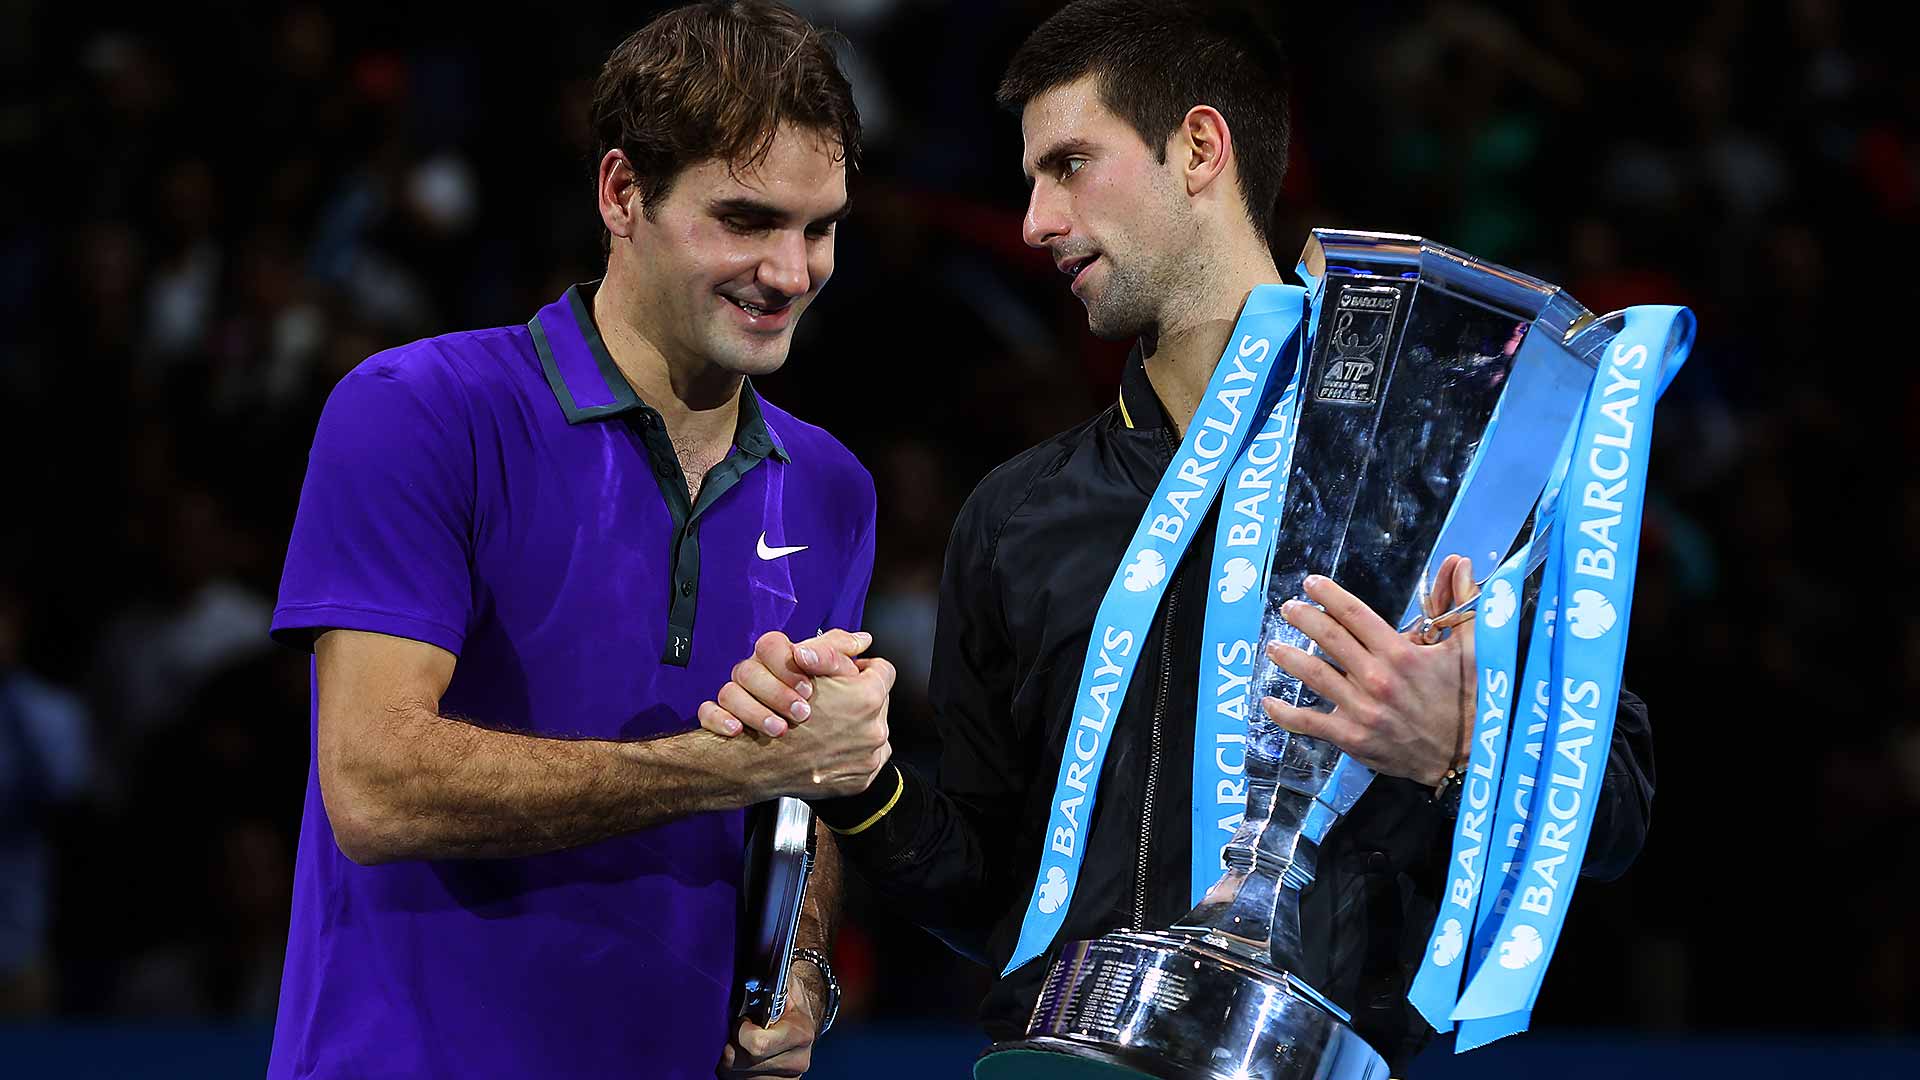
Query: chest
column 592, row 587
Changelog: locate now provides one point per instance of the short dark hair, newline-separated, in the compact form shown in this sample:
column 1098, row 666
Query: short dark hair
column 716, row 80
column 1156, row 60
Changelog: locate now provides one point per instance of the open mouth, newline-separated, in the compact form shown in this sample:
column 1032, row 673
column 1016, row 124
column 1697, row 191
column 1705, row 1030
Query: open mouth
column 1077, row 268
column 762, row 318
column 756, row 310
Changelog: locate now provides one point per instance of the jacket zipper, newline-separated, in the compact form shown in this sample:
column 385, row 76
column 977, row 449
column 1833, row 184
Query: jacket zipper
column 1153, row 751
column 1153, row 758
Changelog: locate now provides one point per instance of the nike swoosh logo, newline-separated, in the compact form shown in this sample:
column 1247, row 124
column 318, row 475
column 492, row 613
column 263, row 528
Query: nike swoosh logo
column 770, row 553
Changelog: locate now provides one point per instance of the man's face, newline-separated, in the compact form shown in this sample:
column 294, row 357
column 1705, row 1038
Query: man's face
column 1105, row 209
column 727, row 263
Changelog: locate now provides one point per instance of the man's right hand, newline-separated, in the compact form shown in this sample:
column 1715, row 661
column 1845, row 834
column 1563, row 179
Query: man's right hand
column 841, row 743
column 769, row 690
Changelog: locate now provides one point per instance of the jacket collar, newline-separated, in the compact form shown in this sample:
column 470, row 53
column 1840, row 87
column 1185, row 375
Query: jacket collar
column 1140, row 406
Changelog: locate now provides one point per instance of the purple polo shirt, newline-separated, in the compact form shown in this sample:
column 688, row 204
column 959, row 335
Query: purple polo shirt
column 503, row 494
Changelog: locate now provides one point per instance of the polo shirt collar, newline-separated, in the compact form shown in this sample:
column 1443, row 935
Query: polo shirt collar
column 589, row 386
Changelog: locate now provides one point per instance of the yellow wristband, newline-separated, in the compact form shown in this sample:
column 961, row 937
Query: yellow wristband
column 899, row 788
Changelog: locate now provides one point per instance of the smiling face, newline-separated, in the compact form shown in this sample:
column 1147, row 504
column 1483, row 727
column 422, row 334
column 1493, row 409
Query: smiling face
column 1108, row 211
column 723, row 268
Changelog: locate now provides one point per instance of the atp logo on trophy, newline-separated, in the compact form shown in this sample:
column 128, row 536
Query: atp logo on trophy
column 1362, row 330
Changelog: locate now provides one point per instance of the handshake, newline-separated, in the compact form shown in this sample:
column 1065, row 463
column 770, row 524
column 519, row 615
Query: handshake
column 826, row 705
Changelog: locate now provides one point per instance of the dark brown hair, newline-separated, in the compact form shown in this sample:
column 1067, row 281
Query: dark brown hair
column 1156, row 60
column 716, row 80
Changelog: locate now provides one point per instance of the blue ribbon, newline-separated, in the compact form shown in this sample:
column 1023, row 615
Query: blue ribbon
column 1493, row 808
column 1242, row 558
column 1581, row 627
column 1215, row 439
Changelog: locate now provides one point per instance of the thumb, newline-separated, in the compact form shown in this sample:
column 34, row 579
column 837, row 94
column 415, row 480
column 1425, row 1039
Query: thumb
column 831, row 653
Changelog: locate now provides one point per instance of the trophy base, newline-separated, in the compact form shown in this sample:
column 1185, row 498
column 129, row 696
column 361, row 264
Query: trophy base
column 1171, row 1006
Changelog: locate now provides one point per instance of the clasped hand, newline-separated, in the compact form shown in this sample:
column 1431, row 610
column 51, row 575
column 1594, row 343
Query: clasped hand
column 826, row 704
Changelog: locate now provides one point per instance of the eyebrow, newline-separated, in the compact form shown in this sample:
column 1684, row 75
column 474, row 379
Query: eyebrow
column 1056, row 155
column 754, row 208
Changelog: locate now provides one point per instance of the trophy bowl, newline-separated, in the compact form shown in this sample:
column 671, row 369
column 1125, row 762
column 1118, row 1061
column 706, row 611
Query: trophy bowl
column 1173, row 1006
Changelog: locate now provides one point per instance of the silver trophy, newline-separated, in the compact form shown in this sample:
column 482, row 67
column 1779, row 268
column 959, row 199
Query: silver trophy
column 1411, row 346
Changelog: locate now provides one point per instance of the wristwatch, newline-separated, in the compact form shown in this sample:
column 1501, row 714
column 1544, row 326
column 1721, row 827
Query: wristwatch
column 832, row 1009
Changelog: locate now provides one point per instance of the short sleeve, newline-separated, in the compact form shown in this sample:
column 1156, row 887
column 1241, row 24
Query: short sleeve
column 382, row 538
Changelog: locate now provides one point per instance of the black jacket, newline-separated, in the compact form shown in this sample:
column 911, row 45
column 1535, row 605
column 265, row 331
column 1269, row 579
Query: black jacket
column 1029, row 560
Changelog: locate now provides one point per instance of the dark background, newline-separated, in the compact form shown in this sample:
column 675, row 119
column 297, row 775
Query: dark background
column 211, row 212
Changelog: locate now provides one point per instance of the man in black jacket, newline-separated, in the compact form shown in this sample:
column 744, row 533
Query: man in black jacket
column 1156, row 141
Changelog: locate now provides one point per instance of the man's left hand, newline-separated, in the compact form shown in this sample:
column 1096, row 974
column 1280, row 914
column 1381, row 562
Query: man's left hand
column 1401, row 707
column 786, row 1048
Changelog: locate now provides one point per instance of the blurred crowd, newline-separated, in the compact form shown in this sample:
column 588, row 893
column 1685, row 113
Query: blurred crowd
column 211, row 213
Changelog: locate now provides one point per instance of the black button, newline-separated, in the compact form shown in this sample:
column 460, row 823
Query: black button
column 660, row 469
column 686, row 588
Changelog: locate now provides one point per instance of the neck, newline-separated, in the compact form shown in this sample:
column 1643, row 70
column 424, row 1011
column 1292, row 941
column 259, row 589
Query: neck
column 1181, row 352
column 698, row 400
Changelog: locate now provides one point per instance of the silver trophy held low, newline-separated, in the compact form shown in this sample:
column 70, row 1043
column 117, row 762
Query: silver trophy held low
column 1410, row 347
column 773, row 885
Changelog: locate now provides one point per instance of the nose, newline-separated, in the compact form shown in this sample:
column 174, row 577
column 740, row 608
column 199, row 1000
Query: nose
column 783, row 269
column 1046, row 215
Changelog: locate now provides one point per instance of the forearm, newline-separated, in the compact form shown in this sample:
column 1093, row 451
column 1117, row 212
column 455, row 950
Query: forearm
column 442, row 788
column 820, row 910
column 915, row 845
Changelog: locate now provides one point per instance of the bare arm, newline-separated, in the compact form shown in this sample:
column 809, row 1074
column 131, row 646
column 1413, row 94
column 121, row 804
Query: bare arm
column 400, row 781
column 819, row 912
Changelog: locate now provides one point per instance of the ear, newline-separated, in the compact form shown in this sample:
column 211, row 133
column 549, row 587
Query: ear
column 1202, row 145
column 619, row 194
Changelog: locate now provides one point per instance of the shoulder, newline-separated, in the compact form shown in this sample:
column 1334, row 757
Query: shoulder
column 451, row 367
column 816, row 454
column 434, row 385
column 1002, row 493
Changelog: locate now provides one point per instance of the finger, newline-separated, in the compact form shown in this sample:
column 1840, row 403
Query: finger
column 1463, row 587
column 717, row 720
column 1321, row 677
column 1358, row 619
column 748, row 710
column 1334, row 639
column 1311, row 723
column 776, row 653
column 779, row 698
column 1441, row 596
column 816, row 658
column 760, row 1043
column 844, row 642
column 886, row 673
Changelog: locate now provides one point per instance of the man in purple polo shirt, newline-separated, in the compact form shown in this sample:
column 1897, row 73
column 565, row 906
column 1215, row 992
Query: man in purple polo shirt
column 524, row 556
